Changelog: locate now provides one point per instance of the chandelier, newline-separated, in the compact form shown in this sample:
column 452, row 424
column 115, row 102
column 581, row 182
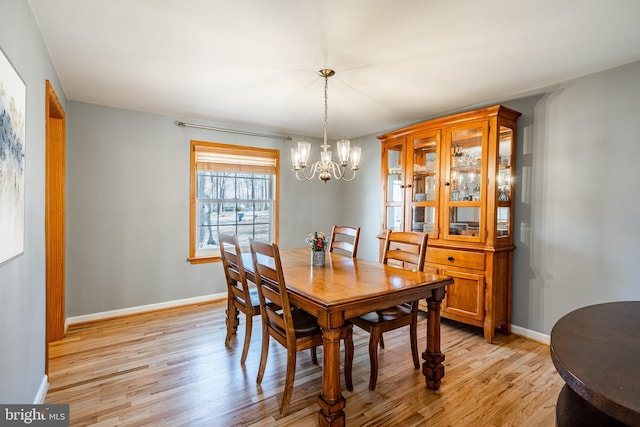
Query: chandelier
column 325, row 167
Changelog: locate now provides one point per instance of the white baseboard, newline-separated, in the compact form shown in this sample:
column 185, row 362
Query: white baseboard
column 533, row 335
column 42, row 391
column 142, row 308
column 527, row 333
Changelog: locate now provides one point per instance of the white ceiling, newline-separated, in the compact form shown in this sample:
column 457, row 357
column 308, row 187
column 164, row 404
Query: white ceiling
column 254, row 63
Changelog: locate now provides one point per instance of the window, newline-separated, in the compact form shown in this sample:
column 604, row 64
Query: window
column 234, row 190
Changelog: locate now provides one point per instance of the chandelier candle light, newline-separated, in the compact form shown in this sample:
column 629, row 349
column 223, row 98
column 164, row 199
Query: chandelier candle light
column 325, row 167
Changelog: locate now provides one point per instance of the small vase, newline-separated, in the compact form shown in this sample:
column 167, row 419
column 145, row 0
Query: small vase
column 317, row 258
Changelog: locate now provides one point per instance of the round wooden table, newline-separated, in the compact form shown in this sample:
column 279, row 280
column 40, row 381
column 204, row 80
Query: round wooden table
column 596, row 350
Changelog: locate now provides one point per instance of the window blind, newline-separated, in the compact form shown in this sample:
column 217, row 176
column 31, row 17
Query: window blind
column 214, row 157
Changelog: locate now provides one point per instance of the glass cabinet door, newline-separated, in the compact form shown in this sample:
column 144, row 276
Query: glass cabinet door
column 504, row 182
column 465, row 192
column 394, row 187
column 423, row 197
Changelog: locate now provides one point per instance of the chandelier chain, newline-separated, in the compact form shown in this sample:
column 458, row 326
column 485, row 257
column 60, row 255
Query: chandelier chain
column 326, row 103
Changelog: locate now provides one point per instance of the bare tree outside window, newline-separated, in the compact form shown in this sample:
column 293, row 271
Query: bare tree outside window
column 235, row 203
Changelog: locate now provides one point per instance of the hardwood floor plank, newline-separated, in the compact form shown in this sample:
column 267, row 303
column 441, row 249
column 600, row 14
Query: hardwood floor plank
column 171, row 368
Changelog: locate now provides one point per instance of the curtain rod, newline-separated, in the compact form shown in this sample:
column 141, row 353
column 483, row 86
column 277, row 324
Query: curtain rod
column 242, row 132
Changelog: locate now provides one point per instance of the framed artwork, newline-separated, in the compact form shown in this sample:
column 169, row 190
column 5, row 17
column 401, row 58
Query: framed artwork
column 13, row 98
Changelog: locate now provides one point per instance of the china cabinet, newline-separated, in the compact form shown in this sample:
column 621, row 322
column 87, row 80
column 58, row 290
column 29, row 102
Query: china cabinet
column 452, row 178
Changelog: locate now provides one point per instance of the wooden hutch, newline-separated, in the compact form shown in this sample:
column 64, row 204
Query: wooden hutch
column 452, row 178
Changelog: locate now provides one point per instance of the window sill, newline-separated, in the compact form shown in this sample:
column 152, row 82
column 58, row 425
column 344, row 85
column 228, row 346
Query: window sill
column 204, row 260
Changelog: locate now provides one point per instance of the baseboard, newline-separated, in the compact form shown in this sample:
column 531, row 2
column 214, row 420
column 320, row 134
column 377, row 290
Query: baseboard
column 532, row 335
column 527, row 333
column 42, row 391
column 142, row 308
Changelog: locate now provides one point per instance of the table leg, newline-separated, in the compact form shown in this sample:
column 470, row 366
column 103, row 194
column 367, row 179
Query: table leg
column 331, row 401
column 432, row 368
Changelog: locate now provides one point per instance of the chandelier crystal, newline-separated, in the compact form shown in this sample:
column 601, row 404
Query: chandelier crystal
column 325, row 168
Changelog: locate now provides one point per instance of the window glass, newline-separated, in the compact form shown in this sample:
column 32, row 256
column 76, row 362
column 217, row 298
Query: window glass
column 237, row 198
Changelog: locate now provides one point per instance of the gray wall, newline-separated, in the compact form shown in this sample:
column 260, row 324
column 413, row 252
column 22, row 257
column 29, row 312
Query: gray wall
column 128, row 208
column 578, row 213
column 22, row 280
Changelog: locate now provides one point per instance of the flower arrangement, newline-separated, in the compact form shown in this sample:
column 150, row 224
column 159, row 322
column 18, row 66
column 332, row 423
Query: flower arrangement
column 317, row 241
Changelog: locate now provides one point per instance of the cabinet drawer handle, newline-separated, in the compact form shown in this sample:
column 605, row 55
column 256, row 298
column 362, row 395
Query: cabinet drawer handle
column 450, row 258
column 447, row 184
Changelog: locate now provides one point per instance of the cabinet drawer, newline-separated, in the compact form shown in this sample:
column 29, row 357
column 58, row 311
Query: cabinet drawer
column 457, row 258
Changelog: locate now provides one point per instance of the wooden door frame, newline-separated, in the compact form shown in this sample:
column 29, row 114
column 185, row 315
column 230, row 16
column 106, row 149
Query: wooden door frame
column 55, row 208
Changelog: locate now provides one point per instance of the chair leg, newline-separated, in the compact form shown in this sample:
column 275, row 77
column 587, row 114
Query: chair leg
column 413, row 332
column 348, row 358
column 232, row 322
column 314, row 355
column 247, row 337
column 264, row 353
column 374, row 340
column 288, row 383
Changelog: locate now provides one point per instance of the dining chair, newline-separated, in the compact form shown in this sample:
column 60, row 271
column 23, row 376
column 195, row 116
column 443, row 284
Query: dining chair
column 292, row 327
column 345, row 238
column 240, row 297
column 404, row 250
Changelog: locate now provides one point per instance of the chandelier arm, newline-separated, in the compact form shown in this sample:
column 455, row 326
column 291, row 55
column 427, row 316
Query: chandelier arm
column 338, row 172
column 341, row 172
column 304, row 175
column 304, row 178
column 348, row 179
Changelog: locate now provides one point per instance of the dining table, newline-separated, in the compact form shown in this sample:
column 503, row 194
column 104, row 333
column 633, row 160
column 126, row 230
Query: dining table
column 348, row 287
column 596, row 350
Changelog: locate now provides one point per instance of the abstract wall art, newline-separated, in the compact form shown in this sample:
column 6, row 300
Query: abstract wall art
column 13, row 97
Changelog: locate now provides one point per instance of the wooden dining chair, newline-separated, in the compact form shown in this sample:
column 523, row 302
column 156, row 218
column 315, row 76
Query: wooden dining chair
column 404, row 250
column 240, row 297
column 345, row 238
column 292, row 327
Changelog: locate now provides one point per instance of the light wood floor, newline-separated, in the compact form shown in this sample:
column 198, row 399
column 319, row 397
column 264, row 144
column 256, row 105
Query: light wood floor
column 171, row 368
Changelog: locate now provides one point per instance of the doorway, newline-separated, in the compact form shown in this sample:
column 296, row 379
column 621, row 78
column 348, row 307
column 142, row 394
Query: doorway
column 55, row 173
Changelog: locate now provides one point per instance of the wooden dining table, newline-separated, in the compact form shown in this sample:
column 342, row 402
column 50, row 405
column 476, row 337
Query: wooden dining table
column 596, row 350
column 349, row 287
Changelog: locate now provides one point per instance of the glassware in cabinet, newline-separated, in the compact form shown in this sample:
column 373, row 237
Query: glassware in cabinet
column 466, row 174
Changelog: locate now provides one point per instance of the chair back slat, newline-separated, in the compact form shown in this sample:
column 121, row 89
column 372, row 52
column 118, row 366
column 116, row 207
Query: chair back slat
column 345, row 238
column 272, row 289
column 231, row 256
column 405, row 247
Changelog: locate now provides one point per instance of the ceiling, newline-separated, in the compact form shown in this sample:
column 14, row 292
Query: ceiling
column 254, row 63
